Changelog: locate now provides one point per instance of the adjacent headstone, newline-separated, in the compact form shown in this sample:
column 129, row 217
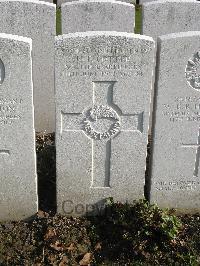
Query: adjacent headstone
column 97, row 15
column 36, row 20
column 170, row 16
column 18, row 196
column 175, row 177
column 60, row 2
column 103, row 87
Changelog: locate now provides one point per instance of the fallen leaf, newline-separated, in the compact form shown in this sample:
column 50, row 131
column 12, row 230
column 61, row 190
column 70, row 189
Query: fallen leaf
column 57, row 246
column 51, row 233
column 71, row 247
column 98, row 246
column 42, row 214
column 86, row 260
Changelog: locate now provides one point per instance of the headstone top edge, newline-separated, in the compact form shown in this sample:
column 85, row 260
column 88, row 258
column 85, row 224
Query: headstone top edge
column 178, row 35
column 154, row 3
column 30, row 2
column 97, row 1
column 16, row 38
column 103, row 34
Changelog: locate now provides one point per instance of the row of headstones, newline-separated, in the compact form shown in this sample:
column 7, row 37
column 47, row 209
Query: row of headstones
column 103, row 92
column 37, row 20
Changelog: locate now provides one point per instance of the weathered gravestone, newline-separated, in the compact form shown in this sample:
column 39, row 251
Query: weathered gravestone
column 80, row 16
column 18, row 196
column 169, row 16
column 175, row 177
column 60, row 2
column 103, row 87
column 36, row 20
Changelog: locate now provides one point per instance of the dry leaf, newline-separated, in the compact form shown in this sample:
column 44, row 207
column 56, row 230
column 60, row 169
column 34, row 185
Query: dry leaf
column 71, row 247
column 57, row 246
column 98, row 246
column 64, row 261
column 87, row 259
column 42, row 214
column 51, row 233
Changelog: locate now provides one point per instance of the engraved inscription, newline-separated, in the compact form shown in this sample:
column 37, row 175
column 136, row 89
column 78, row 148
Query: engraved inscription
column 2, row 72
column 101, row 123
column 192, row 71
column 98, row 61
column 197, row 146
column 186, row 108
column 10, row 110
column 180, row 185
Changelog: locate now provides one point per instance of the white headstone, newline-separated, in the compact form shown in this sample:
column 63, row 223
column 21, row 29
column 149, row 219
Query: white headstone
column 60, row 2
column 36, row 20
column 18, row 196
column 175, row 177
column 169, row 16
column 103, row 87
column 96, row 15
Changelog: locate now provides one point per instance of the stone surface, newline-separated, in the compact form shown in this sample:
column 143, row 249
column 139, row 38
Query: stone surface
column 60, row 2
column 170, row 16
column 145, row 1
column 81, row 16
column 175, row 177
column 18, row 196
column 103, row 87
column 36, row 20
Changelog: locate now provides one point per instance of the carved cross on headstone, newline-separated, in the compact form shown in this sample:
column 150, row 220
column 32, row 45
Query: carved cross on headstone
column 101, row 123
column 197, row 158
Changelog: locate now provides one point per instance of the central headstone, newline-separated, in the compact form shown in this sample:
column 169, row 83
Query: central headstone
column 102, row 96
column 18, row 192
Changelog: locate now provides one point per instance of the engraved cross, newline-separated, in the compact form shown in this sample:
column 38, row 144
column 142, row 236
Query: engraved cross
column 197, row 158
column 101, row 123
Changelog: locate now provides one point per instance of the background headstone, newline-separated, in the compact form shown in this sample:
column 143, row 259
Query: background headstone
column 175, row 177
column 170, row 16
column 36, row 20
column 80, row 16
column 18, row 194
column 60, row 2
column 103, row 87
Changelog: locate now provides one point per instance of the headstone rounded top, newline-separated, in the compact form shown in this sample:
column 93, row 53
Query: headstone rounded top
column 164, row 2
column 104, row 33
column 30, row 2
column 95, row 1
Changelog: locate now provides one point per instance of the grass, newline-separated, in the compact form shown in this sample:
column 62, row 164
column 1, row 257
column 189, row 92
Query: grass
column 138, row 20
column 58, row 21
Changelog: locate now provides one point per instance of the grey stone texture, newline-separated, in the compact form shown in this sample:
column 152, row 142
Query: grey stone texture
column 60, row 2
column 18, row 193
column 170, row 16
column 146, row 1
column 175, row 175
column 36, row 20
column 103, row 87
column 81, row 16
